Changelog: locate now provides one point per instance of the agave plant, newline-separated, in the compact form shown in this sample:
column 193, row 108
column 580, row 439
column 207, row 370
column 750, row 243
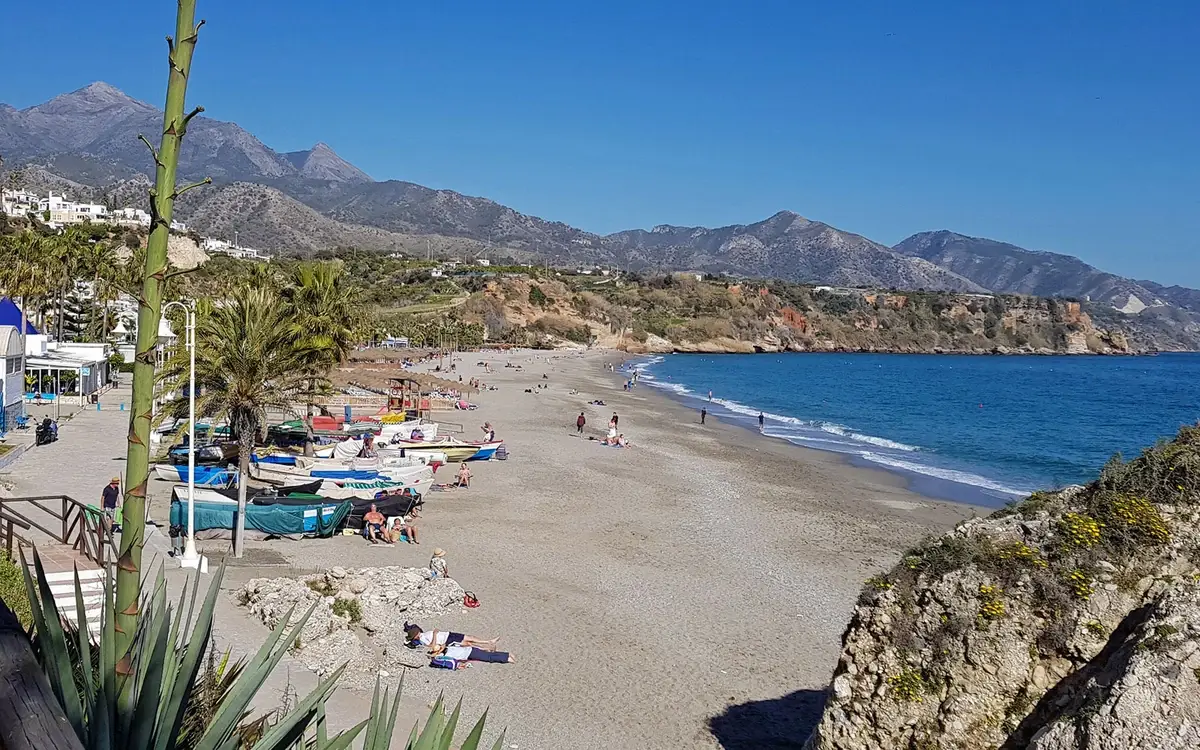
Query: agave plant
column 163, row 703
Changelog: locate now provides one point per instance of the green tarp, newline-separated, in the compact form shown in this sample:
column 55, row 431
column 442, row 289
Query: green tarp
column 276, row 520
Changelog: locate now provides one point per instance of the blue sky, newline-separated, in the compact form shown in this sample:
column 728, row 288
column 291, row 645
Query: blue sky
column 1056, row 125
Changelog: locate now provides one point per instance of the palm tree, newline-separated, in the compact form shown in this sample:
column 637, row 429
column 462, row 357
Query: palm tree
column 67, row 253
column 320, row 304
column 247, row 366
column 25, row 271
column 100, row 261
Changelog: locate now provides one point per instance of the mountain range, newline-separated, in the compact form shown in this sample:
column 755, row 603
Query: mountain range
column 85, row 142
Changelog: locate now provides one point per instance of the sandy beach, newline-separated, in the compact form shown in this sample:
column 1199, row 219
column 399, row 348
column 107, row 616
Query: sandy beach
column 687, row 592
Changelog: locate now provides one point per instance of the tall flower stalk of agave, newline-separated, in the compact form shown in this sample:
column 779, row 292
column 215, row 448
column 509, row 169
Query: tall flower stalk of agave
column 162, row 204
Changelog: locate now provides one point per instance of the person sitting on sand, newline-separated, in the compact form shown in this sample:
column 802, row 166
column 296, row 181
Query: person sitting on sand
column 621, row 441
column 403, row 528
column 416, row 637
column 464, row 475
column 373, row 522
column 437, row 564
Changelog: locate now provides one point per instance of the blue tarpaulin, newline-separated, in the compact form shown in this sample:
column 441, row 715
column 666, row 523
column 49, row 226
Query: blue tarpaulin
column 10, row 315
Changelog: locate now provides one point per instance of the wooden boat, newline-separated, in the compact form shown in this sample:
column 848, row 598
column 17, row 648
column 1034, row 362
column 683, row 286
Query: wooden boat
column 419, row 484
column 212, row 476
column 207, row 454
column 455, row 450
column 307, row 468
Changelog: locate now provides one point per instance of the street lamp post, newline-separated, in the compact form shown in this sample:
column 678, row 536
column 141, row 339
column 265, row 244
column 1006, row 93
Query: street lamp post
column 191, row 558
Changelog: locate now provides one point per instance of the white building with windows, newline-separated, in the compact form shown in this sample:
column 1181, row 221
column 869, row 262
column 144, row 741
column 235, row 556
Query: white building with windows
column 130, row 217
column 18, row 202
column 12, row 377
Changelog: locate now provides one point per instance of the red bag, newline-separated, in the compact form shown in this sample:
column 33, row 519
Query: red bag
column 470, row 600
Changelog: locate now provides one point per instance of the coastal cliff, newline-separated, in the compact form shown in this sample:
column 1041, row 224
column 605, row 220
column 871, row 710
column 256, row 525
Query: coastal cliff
column 681, row 313
column 1063, row 622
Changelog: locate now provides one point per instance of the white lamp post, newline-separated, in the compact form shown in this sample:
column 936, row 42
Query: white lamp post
column 191, row 558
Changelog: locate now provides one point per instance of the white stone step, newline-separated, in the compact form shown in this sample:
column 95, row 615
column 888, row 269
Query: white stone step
column 67, row 603
column 68, row 576
column 69, row 588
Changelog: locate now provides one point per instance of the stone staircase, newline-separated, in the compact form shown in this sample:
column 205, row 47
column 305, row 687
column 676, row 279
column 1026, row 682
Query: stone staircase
column 91, row 585
column 68, row 538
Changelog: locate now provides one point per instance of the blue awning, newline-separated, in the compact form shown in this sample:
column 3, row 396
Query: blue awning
column 10, row 315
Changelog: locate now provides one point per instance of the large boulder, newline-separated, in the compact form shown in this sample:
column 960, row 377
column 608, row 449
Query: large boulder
column 956, row 645
column 1141, row 691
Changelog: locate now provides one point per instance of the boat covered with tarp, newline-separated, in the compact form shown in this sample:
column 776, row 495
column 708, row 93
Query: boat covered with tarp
column 216, row 514
column 389, row 505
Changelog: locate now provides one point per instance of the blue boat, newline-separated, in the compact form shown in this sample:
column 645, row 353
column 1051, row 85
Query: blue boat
column 206, row 476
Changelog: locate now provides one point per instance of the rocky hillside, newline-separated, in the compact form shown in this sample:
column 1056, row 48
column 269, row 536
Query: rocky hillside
column 85, row 143
column 101, row 123
column 266, row 219
column 1008, row 268
column 1064, row 621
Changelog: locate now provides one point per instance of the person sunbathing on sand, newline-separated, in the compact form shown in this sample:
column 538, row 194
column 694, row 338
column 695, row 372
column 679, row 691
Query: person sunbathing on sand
column 416, row 637
column 470, row 653
column 464, row 476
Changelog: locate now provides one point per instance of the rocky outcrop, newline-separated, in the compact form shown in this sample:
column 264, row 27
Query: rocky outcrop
column 358, row 617
column 1141, row 691
column 956, row 646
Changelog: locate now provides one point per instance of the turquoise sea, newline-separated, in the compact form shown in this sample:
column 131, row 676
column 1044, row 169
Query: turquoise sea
column 980, row 429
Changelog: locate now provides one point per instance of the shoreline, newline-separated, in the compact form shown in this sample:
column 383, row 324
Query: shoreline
column 927, row 485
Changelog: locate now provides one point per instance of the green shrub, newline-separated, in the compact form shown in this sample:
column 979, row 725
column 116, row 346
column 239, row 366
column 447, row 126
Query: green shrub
column 12, row 591
column 321, row 586
column 348, row 608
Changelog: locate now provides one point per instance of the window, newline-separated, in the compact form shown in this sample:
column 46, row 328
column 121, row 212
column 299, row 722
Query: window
column 13, row 365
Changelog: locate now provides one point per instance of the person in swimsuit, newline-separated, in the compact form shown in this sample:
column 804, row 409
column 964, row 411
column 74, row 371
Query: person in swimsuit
column 416, row 637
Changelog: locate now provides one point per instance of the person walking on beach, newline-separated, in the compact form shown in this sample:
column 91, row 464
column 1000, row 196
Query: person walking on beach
column 761, row 420
column 710, row 395
column 703, row 414
column 110, row 498
column 580, row 421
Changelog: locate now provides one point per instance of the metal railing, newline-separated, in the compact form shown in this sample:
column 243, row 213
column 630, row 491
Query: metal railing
column 61, row 518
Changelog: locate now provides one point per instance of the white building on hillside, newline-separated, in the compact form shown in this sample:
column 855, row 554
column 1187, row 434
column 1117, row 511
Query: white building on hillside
column 18, row 202
column 131, row 217
column 212, row 245
column 56, row 209
column 93, row 212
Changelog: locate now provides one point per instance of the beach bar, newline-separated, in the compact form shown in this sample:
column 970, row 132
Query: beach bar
column 70, row 373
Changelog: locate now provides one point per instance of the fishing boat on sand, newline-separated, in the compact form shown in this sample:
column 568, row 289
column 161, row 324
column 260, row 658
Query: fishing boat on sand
column 206, row 476
column 216, row 513
column 305, row 468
